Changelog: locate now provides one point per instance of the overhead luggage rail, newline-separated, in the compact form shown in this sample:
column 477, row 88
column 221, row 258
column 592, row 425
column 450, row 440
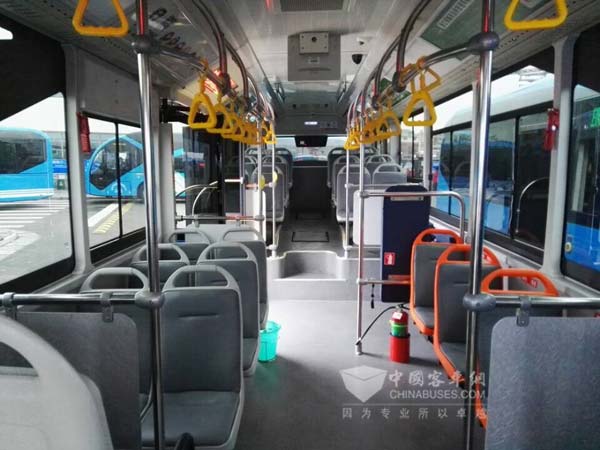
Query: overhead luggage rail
column 97, row 31
column 562, row 12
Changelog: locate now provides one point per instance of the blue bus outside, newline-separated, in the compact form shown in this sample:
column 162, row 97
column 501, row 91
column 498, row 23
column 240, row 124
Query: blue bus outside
column 26, row 171
column 101, row 169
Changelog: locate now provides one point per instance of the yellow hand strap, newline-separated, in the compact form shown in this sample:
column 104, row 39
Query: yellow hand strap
column 422, row 95
column 201, row 101
column 269, row 137
column 352, row 142
column 562, row 12
column 228, row 124
column 87, row 30
column 388, row 124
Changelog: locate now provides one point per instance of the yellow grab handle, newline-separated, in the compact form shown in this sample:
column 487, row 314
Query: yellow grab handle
column 437, row 80
column 269, row 138
column 202, row 100
column 384, row 129
column 352, row 142
column 228, row 124
column 425, row 97
column 262, row 182
column 562, row 12
column 369, row 133
column 87, row 30
column 236, row 128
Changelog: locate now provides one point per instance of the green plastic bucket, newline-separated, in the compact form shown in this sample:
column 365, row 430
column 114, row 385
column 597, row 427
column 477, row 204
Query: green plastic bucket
column 268, row 342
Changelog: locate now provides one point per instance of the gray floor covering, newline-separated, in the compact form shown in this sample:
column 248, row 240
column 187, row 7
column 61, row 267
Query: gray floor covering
column 299, row 401
column 319, row 227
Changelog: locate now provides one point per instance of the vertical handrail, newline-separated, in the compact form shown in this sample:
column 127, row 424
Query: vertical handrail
column 259, row 187
column 361, row 244
column 152, row 232
column 274, row 183
column 242, row 174
column 347, row 200
column 481, row 126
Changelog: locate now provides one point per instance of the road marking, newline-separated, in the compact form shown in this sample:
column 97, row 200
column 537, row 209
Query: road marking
column 112, row 219
column 100, row 215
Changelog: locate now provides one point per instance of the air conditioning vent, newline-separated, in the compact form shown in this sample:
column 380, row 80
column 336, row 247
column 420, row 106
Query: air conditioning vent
column 311, row 5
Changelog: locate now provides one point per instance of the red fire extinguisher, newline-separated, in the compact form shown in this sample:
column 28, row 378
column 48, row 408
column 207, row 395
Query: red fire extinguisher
column 399, row 337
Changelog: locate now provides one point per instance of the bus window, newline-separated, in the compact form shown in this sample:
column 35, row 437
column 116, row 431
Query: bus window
column 499, row 190
column 531, row 181
column 440, row 170
column 581, row 251
column 34, row 209
column 114, row 181
column 460, row 167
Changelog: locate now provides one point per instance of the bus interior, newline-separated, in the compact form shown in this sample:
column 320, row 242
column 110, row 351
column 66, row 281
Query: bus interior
column 295, row 224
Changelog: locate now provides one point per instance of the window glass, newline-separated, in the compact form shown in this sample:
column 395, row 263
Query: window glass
column 499, row 190
column 114, row 175
column 460, row 168
column 310, row 153
column 35, row 222
column 581, row 251
column 440, row 170
column 531, row 181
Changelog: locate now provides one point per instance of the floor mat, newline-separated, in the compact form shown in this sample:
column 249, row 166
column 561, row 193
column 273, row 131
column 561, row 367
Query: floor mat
column 309, row 215
column 310, row 236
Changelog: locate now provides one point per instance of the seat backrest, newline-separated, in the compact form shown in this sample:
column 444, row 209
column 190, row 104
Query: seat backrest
column 337, row 166
column 425, row 255
column 354, row 179
column 192, row 241
column 115, row 279
column 374, row 161
column 171, row 258
column 388, row 173
column 524, row 282
column 332, row 156
column 104, row 351
column 451, row 285
column 240, row 262
column 543, row 384
column 258, row 248
column 125, row 280
column 280, row 189
column 202, row 331
column 48, row 407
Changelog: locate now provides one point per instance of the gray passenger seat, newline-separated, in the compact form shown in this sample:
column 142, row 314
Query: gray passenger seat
column 192, row 241
column 240, row 262
column 280, row 189
column 389, row 173
column 259, row 249
column 337, row 167
column 127, row 280
column 171, row 258
column 354, row 179
column 202, row 358
column 49, row 406
column 374, row 161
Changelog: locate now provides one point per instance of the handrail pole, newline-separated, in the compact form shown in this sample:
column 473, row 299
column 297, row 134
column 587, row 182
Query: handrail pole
column 481, row 126
column 274, row 183
column 347, row 218
column 263, row 230
column 361, row 243
column 152, row 221
column 242, row 173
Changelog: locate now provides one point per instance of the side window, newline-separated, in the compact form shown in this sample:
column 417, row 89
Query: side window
column 532, row 178
column 114, row 182
column 440, row 173
column 499, row 191
column 581, row 251
column 460, row 167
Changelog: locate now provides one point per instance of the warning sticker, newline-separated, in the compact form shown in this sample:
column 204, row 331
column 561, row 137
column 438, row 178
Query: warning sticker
column 389, row 258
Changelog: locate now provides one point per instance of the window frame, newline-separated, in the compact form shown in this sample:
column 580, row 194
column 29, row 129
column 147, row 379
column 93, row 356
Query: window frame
column 506, row 241
column 124, row 241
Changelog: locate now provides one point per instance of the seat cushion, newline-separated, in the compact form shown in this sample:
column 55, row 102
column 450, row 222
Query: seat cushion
column 426, row 315
column 250, row 348
column 209, row 416
column 456, row 352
